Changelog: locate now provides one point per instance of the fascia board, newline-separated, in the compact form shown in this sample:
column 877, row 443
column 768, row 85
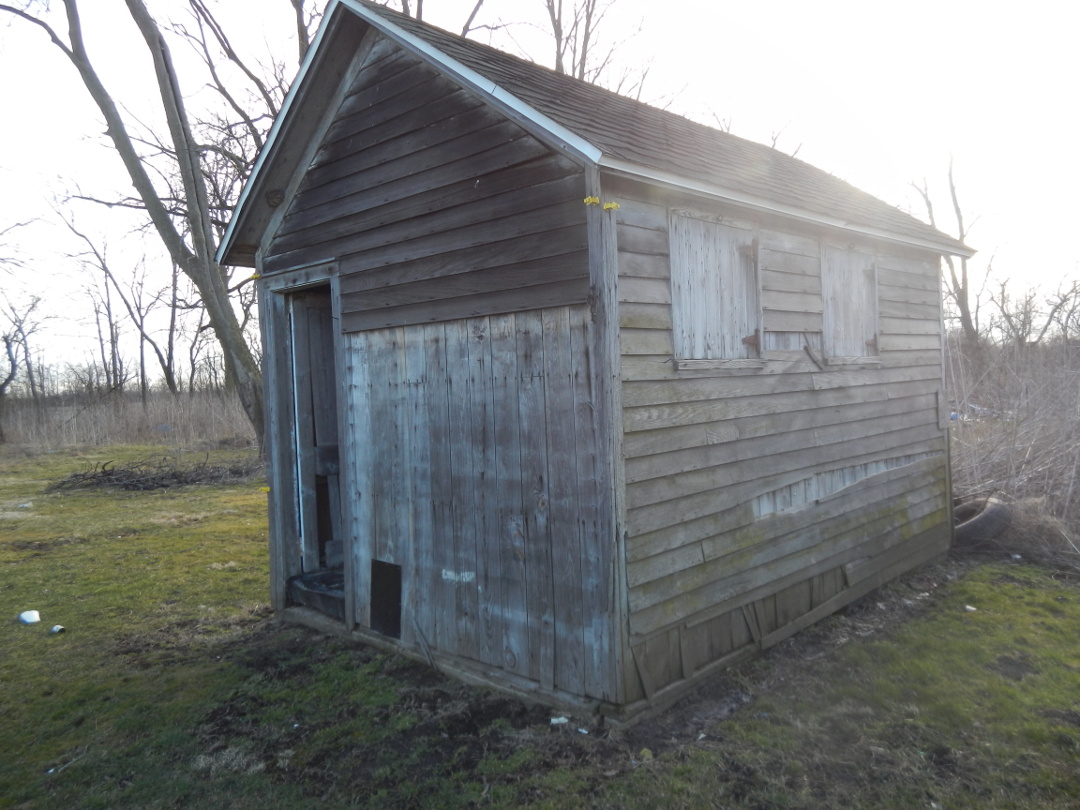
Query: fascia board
column 672, row 180
column 510, row 104
column 272, row 137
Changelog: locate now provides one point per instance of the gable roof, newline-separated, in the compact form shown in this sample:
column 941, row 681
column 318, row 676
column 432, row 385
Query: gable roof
column 589, row 123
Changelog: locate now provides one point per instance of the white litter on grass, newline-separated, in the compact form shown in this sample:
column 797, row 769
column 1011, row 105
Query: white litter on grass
column 970, row 609
column 57, row 628
column 29, row 617
column 559, row 721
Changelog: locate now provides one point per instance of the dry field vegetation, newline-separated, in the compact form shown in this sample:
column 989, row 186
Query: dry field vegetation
column 171, row 687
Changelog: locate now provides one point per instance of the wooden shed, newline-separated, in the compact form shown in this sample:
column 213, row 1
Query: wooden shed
column 568, row 394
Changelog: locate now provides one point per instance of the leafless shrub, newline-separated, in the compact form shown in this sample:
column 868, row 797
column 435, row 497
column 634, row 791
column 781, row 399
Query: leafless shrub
column 1017, row 425
column 1016, row 421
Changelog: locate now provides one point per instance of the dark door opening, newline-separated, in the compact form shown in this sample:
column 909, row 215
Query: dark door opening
column 314, row 379
column 386, row 598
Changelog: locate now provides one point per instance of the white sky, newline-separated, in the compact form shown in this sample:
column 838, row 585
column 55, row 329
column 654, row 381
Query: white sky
column 878, row 94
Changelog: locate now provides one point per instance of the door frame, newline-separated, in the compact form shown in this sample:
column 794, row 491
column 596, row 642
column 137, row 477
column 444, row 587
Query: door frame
column 285, row 510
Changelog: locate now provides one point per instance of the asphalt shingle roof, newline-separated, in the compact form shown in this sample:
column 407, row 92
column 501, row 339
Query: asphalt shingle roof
column 657, row 139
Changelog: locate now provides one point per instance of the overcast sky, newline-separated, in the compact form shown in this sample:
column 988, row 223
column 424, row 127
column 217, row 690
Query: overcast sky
column 879, row 94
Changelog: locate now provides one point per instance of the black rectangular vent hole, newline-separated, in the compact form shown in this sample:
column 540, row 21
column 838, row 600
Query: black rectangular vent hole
column 386, row 598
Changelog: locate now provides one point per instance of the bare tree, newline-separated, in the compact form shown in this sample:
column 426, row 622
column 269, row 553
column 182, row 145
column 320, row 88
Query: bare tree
column 415, row 9
column 775, row 136
column 23, row 326
column 108, row 336
column 9, row 255
column 958, row 283
column 1022, row 322
column 188, row 218
column 7, row 376
column 1065, row 304
column 574, row 28
column 19, row 325
column 468, row 27
column 139, row 305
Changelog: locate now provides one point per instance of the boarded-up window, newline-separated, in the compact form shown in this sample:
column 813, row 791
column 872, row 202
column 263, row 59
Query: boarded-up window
column 716, row 310
column 850, row 314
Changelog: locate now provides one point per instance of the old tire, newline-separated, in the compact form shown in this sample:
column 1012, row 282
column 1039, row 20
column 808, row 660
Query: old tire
column 979, row 522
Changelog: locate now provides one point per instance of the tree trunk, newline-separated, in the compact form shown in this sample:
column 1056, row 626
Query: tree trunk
column 196, row 260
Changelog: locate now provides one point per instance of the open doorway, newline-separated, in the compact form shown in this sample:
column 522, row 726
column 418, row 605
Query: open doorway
column 320, row 583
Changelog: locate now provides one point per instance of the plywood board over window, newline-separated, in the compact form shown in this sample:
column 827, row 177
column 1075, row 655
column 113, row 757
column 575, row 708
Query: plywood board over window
column 850, row 305
column 715, row 293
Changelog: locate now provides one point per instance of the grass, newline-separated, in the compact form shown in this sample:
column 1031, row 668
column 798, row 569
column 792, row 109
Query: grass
column 171, row 687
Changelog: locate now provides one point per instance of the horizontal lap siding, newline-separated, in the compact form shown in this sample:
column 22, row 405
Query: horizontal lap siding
column 435, row 206
column 761, row 558
column 752, row 491
column 790, row 267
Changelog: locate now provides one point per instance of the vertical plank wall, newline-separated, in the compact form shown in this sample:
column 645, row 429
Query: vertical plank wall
column 760, row 501
column 474, row 446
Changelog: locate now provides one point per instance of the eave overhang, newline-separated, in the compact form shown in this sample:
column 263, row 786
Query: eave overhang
column 946, row 246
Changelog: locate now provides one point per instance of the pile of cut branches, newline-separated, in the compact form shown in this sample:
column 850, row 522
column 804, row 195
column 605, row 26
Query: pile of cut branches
column 163, row 473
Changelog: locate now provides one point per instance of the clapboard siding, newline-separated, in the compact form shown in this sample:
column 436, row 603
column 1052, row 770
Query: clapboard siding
column 748, row 491
column 689, row 388
column 723, row 465
column 753, row 436
column 534, row 252
column 893, row 306
column 908, row 326
column 861, row 530
column 737, row 529
column 459, row 223
column 395, row 199
column 437, row 207
column 735, row 492
column 875, row 404
column 637, row 239
column 740, row 406
column 790, row 269
column 716, row 585
column 710, row 523
column 476, row 462
column 473, row 136
column 762, row 619
column 655, row 342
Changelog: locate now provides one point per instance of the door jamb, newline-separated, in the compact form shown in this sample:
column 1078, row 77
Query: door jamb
column 284, row 508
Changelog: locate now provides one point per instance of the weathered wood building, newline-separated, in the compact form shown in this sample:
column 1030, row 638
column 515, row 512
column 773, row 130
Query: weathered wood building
column 570, row 394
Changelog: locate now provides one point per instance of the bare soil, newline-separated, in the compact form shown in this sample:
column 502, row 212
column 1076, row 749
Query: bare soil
column 446, row 728
column 435, row 729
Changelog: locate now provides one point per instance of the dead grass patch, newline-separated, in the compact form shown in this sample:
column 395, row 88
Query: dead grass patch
column 181, row 638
